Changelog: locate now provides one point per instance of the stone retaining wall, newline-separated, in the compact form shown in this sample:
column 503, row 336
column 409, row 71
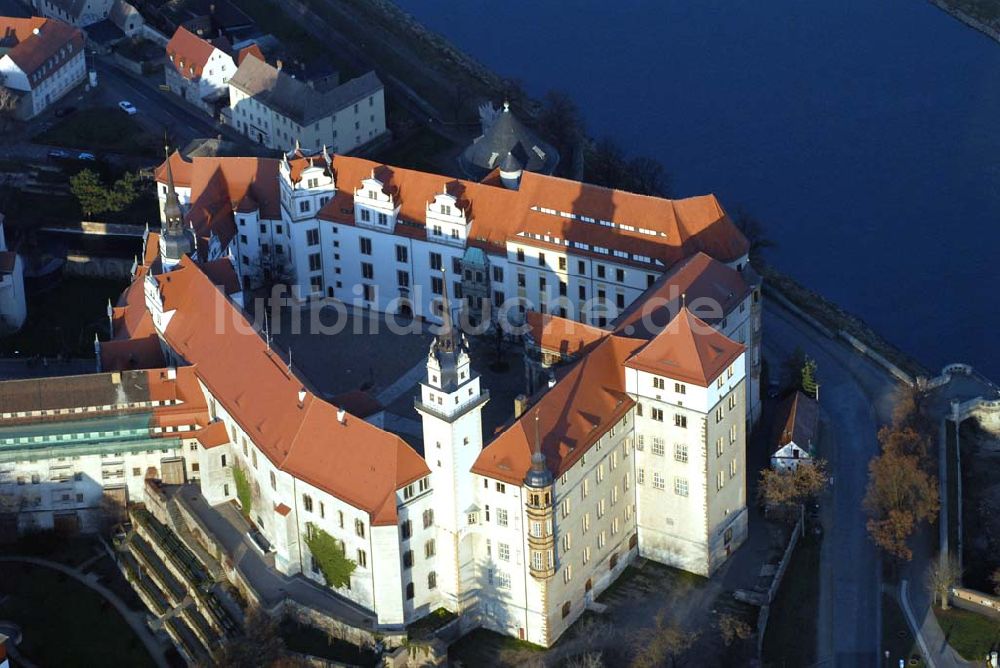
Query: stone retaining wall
column 779, row 574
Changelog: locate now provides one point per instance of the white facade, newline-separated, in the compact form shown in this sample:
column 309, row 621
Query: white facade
column 42, row 90
column 789, row 456
column 201, row 90
column 87, row 12
column 342, row 130
column 691, row 468
column 13, row 305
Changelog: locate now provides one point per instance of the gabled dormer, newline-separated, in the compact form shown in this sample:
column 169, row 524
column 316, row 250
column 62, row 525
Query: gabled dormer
column 154, row 304
column 446, row 220
column 307, row 184
column 374, row 207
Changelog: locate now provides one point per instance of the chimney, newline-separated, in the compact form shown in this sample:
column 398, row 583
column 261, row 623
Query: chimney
column 211, row 9
column 302, row 398
column 520, row 405
column 116, row 378
column 278, row 64
column 171, row 373
column 552, row 381
column 341, row 415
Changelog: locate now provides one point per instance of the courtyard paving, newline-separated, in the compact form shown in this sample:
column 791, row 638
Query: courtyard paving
column 339, row 352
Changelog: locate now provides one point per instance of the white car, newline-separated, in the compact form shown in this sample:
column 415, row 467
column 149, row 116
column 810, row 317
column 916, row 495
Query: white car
column 128, row 107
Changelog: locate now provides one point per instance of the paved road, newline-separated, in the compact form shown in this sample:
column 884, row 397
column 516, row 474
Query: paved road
column 134, row 619
column 158, row 110
column 228, row 527
column 856, row 398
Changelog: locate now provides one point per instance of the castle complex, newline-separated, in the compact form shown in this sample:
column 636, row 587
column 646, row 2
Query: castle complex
column 640, row 318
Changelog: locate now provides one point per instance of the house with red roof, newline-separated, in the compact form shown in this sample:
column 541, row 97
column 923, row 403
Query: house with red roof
column 41, row 60
column 199, row 70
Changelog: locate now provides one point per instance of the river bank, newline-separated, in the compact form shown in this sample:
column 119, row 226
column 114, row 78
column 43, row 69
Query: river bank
column 377, row 24
column 963, row 11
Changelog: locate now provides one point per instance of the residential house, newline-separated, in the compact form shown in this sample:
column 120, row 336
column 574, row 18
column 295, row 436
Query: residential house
column 799, row 420
column 199, row 70
column 42, row 60
column 127, row 18
column 277, row 110
column 80, row 13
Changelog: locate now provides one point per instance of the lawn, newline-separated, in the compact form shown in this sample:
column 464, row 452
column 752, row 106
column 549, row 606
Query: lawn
column 486, row 648
column 101, row 129
column 425, row 627
column 64, row 622
column 63, row 318
column 790, row 639
column 896, row 636
column 971, row 635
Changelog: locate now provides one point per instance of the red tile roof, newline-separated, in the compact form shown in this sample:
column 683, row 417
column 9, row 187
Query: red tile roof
column 352, row 460
column 708, row 287
column 561, row 335
column 222, row 274
column 220, row 185
column 582, row 406
column 8, row 260
column 689, row 350
column 252, row 50
column 125, row 354
column 213, row 435
column 799, row 417
column 358, row 402
column 674, row 229
column 189, row 53
column 30, row 52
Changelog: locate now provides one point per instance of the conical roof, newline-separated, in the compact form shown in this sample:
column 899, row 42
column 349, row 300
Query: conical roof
column 506, row 143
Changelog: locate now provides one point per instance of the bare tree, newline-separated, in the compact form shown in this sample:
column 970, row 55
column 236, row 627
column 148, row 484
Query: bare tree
column 782, row 491
column 733, row 628
column 661, row 644
column 941, row 575
column 586, row 660
column 8, row 103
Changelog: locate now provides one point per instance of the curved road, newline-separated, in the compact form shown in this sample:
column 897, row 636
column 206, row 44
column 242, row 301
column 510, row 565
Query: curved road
column 856, row 398
column 137, row 625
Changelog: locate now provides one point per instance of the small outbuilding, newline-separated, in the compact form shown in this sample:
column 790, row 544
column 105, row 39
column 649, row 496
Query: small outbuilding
column 799, row 420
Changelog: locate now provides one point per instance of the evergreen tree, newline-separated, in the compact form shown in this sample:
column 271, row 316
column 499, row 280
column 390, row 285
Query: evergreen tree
column 809, row 384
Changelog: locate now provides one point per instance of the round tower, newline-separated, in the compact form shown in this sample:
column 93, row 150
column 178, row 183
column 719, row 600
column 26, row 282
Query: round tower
column 541, row 540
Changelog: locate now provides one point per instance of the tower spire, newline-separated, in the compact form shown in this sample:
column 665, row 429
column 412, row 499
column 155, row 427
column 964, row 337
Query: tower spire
column 446, row 339
column 172, row 206
column 539, row 474
column 175, row 241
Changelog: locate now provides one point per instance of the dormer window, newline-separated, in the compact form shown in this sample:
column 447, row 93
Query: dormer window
column 445, row 209
column 372, row 195
column 312, row 183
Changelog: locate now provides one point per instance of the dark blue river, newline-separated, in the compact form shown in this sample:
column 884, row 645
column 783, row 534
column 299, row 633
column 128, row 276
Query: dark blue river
column 863, row 133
